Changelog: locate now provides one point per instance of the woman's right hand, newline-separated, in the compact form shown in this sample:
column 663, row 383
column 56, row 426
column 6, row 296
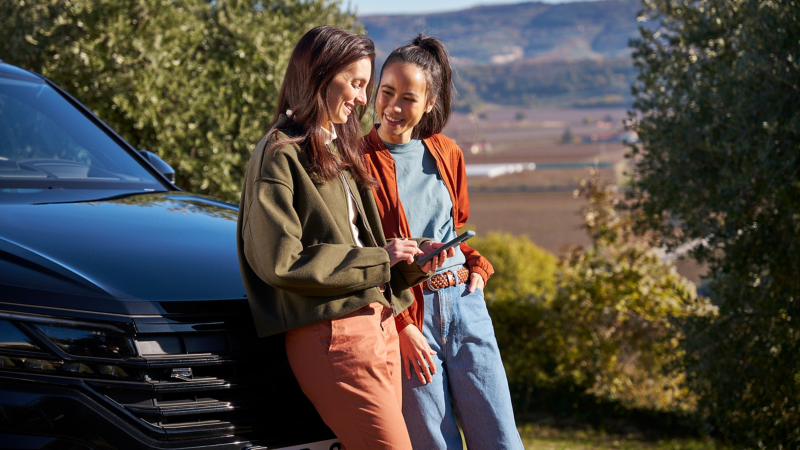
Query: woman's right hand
column 437, row 261
column 401, row 250
column 415, row 351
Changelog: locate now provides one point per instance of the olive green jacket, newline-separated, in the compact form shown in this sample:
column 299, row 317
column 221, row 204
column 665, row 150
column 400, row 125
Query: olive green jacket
column 297, row 254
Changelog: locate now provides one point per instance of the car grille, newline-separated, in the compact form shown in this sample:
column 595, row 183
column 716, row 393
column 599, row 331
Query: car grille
column 209, row 376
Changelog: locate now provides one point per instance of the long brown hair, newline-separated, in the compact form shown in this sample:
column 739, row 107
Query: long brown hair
column 317, row 58
column 430, row 55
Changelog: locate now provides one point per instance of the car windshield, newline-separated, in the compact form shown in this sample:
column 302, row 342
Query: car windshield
column 47, row 143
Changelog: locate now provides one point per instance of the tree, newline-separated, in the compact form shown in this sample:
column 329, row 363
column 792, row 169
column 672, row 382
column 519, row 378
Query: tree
column 567, row 136
column 194, row 80
column 717, row 110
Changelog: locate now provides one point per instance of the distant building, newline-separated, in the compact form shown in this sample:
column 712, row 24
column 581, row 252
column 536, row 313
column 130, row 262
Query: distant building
column 627, row 137
column 482, row 146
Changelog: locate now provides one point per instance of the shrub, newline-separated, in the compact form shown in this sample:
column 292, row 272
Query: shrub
column 522, row 269
column 610, row 325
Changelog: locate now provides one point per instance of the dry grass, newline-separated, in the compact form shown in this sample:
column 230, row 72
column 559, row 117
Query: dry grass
column 550, row 219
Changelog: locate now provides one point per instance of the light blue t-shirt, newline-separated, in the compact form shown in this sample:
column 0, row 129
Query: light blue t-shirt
column 424, row 196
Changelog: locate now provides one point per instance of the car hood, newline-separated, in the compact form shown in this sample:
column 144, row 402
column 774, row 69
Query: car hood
column 150, row 247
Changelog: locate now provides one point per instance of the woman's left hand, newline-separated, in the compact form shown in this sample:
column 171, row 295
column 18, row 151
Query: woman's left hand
column 476, row 281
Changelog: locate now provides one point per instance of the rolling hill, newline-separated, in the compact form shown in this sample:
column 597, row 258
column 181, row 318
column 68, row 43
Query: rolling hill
column 529, row 53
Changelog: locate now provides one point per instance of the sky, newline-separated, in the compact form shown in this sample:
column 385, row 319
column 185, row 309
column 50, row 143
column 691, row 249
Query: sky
column 367, row 7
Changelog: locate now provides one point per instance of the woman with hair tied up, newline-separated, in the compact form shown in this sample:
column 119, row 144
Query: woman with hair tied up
column 313, row 257
column 446, row 336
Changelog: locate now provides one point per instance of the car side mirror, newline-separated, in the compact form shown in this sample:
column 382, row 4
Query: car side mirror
column 159, row 164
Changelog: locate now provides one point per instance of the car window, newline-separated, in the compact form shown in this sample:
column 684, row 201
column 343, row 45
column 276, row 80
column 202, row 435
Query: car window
column 45, row 140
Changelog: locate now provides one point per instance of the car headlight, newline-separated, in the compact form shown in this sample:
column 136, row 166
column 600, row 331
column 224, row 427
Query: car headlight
column 94, row 343
column 28, row 347
column 12, row 338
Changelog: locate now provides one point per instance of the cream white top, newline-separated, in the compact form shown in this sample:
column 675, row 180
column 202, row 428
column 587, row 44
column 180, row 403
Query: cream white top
column 330, row 135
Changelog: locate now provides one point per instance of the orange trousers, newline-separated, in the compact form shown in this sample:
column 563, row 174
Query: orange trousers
column 349, row 367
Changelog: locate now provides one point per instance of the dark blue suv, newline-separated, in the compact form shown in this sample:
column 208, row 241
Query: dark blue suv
column 123, row 319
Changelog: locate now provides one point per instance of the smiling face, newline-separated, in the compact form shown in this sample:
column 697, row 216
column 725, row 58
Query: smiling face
column 401, row 102
column 347, row 89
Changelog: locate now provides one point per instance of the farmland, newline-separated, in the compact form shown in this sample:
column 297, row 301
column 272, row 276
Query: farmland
column 540, row 203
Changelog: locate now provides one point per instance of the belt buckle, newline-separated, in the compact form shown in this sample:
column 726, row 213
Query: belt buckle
column 448, row 283
column 431, row 287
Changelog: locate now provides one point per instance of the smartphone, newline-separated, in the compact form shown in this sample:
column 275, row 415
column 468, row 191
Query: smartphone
column 457, row 241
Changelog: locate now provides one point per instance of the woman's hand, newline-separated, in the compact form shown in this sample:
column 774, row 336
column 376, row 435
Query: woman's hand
column 476, row 281
column 415, row 351
column 437, row 261
column 401, row 250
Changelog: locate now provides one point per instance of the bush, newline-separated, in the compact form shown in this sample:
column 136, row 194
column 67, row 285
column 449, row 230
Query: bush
column 609, row 327
column 522, row 269
column 617, row 308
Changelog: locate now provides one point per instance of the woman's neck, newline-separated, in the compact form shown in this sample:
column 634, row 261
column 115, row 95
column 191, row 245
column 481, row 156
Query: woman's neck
column 401, row 139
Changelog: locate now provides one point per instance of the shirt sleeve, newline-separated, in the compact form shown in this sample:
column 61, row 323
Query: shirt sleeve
column 404, row 319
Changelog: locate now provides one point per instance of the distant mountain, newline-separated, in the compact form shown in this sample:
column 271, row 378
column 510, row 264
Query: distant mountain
column 569, row 54
column 501, row 34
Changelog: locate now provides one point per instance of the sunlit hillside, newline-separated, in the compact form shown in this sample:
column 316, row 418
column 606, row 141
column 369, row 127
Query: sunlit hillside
column 531, row 54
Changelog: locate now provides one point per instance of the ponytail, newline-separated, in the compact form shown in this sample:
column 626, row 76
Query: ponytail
column 429, row 54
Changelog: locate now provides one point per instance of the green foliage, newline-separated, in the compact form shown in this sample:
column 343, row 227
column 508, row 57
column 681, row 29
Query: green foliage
column 193, row 80
column 717, row 113
column 609, row 327
column 617, row 307
column 522, row 269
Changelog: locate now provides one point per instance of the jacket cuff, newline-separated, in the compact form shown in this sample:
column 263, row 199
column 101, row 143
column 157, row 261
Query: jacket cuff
column 475, row 266
column 402, row 321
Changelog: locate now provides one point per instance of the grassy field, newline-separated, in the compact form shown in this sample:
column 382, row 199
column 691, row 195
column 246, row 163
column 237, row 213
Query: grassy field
column 539, row 437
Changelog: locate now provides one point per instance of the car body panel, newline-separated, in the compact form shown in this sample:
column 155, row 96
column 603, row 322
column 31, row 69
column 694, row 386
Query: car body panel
column 183, row 245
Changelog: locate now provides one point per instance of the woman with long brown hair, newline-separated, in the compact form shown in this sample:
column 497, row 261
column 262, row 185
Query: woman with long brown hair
column 313, row 256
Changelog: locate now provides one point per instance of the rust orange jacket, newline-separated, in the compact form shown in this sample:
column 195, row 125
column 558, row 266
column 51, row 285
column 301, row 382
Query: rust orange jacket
column 450, row 161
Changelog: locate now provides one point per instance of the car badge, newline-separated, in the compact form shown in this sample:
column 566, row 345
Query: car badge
column 182, row 373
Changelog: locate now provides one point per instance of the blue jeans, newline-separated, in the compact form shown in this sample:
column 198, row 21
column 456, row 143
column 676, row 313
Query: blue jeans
column 468, row 371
